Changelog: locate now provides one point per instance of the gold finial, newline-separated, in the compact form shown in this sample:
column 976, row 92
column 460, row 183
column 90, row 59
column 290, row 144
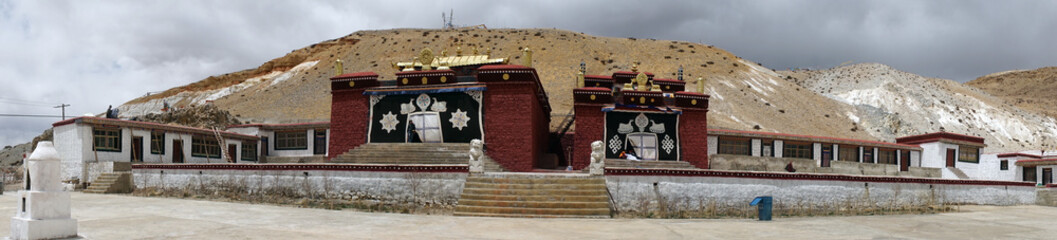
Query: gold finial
column 444, row 53
column 634, row 67
column 641, row 80
column 474, row 50
column 580, row 79
column 488, row 52
column 426, row 58
column 458, row 51
column 527, row 58
column 701, row 85
column 338, row 67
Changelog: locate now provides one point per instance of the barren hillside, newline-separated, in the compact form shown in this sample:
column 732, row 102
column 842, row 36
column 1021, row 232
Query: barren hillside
column 295, row 87
column 891, row 103
column 1034, row 90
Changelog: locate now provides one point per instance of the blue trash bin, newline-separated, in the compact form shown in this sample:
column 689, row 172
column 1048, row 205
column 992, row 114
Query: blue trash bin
column 763, row 205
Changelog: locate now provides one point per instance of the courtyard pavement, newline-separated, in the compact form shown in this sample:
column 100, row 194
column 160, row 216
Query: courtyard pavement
column 127, row 217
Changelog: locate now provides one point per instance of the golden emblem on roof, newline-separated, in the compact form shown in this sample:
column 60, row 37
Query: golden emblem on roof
column 641, row 80
column 426, row 58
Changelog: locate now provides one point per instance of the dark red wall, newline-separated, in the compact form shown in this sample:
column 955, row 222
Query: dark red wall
column 590, row 122
column 515, row 128
column 693, row 137
column 348, row 120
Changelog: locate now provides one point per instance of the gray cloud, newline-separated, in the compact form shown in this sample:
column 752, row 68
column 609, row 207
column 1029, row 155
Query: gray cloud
column 94, row 55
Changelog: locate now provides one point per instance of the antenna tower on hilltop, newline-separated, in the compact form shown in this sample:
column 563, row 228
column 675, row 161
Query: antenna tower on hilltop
column 447, row 20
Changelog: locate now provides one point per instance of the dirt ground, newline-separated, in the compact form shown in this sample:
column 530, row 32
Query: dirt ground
column 126, row 217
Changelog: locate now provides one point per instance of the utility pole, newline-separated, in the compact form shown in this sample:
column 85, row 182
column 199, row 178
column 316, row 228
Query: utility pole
column 63, row 106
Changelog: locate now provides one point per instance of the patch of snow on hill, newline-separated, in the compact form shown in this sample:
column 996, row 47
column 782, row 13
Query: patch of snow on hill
column 186, row 99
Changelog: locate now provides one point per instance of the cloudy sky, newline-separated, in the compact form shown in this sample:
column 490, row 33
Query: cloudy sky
column 91, row 55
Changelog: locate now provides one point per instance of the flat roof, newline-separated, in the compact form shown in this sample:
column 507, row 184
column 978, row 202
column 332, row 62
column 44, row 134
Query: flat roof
column 808, row 138
column 149, row 126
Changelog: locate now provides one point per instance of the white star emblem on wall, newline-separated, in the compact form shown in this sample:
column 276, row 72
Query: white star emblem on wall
column 389, row 122
column 459, row 119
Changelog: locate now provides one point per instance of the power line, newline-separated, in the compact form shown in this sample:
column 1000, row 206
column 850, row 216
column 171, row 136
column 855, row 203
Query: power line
column 29, row 115
column 63, row 106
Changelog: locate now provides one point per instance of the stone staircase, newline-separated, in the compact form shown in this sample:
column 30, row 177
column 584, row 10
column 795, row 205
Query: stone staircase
column 112, row 182
column 534, row 195
column 413, row 153
column 624, row 163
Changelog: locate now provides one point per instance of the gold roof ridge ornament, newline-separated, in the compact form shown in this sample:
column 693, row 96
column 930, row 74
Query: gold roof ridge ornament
column 701, row 85
column 580, row 79
column 641, row 80
column 634, row 67
column 339, row 68
column 526, row 57
column 426, row 58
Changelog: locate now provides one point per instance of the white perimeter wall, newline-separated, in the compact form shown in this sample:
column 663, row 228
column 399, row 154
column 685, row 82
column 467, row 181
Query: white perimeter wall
column 443, row 188
column 689, row 193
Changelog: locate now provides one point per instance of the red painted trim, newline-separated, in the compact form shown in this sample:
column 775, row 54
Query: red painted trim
column 502, row 67
column 897, row 145
column 1038, row 160
column 356, row 74
column 936, row 136
column 266, row 125
column 149, row 126
column 309, row 167
column 801, row 176
column 598, row 77
column 1002, row 155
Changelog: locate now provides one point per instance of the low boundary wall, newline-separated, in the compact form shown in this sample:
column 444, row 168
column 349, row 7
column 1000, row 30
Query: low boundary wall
column 645, row 190
column 431, row 184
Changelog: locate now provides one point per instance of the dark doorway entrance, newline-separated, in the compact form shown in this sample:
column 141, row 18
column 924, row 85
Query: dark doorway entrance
column 177, row 151
column 231, row 152
column 137, row 149
column 827, row 155
column 1047, row 176
column 1029, row 174
column 904, row 162
column 264, row 146
column 319, row 143
column 950, row 157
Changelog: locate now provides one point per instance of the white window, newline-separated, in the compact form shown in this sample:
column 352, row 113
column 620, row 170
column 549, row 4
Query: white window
column 427, row 125
column 644, row 144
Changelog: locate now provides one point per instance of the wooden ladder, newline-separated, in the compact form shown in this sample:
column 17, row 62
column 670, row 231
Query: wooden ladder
column 222, row 144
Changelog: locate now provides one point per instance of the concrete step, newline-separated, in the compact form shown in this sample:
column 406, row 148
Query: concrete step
column 477, row 214
column 530, row 186
column 583, row 198
column 624, row 163
column 114, row 182
column 534, row 204
column 533, row 211
column 474, row 179
column 562, row 192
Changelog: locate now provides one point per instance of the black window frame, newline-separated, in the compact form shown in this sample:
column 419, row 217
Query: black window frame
column 282, row 138
column 734, row 143
column 250, row 148
column 1003, row 165
column 798, row 149
column 854, row 153
column 975, row 154
column 887, row 156
column 205, row 147
column 157, row 143
column 111, row 139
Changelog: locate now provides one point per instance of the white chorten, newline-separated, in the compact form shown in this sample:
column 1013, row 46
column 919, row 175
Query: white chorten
column 43, row 207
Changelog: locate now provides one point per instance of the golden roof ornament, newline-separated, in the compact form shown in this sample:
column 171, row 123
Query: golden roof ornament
column 580, row 79
column 701, row 85
column 338, row 67
column 458, row 51
column 426, row 58
column 634, row 67
column 641, row 80
column 474, row 50
column 527, row 58
column 444, row 53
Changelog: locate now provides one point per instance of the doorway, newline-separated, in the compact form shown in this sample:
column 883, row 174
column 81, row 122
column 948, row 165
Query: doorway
column 427, row 125
column 319, row 143
column 951, row 153
column 177, row 151
column 904, row 162
column 264, row 146
column 231, row 152
column 827, row 155
column 137, row 149
column 1047, row 176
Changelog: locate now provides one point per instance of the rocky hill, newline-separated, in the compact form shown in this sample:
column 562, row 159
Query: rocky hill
column 1034, row 90
column 890, row 103
column 294, row 88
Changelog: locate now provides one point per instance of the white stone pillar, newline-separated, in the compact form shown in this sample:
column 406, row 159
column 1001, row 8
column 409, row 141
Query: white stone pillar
column 899, row 159
column 862, row 154
column 816, row 153
column 713, row 145
column 778, row 148
column 836, row 152
column 874, row 155
column 756, row 147
column 43, row 207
